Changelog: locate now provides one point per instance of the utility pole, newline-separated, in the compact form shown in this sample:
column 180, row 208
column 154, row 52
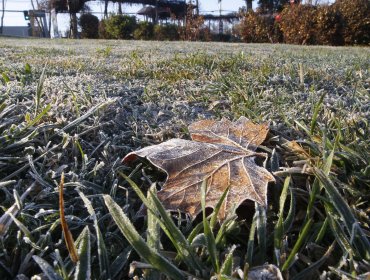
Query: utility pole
column 221, row 23
column 2, row 17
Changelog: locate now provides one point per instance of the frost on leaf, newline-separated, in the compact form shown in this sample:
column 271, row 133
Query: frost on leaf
column 223, row 153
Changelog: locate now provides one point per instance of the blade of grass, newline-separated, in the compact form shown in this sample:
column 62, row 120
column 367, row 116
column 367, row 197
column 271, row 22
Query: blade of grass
column 168, row 226
column 297, row 246
column 227, row 266
column 85, row 116
column 337, row 230
column 83, row 267
column 67, row 234
column 120, row 262
column 47, row 269
column 177, row 238
column 291, row 213
column 217, row 208
column 316, row 112
column 279, row 230
column 210, row 238
column 359, row 240
column 39, row 88
column 38, row 117
column 250, row 246
column 102, row 250
column 322, row 231
column 137, row 242
column 153, row 236
column 261, row 232
column 307, row 273
column 6, row 220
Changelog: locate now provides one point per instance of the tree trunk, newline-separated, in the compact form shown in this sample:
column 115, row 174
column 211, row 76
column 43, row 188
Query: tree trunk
column 119, row 8
column 73, row 26
column 249, row 5
column 106, row 9
column 197, row 7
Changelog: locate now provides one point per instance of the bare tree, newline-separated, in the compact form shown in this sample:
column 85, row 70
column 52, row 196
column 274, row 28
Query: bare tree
column 73, row 20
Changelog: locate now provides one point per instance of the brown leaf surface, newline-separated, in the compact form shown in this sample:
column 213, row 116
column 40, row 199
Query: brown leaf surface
column 223, row 154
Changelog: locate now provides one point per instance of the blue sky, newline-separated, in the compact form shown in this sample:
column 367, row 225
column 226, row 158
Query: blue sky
column 16, row 19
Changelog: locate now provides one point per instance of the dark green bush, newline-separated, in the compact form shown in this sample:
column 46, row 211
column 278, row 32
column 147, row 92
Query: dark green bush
column 89, row 25
column 168, row 32
column 144, row 31
column 120, row 26
column 356, row 21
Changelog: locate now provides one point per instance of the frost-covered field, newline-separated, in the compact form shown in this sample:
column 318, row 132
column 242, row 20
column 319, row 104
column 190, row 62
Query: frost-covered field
column 79, row 106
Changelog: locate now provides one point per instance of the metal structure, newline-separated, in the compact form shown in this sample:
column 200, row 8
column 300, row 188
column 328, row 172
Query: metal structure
column 38, row 24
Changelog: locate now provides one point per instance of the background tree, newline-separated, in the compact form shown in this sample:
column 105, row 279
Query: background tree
column 356, row 20
column 89, row 26
column 270, row 6
column 74, row 7
column 249, row 5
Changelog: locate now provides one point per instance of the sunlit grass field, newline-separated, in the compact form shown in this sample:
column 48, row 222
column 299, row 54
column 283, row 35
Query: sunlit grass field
column 77, row 107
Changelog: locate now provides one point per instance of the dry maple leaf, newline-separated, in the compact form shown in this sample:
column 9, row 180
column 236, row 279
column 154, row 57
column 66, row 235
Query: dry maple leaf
column 223, row 153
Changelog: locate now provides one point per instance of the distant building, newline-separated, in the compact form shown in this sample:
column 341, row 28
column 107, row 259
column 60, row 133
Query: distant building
column 18, row 31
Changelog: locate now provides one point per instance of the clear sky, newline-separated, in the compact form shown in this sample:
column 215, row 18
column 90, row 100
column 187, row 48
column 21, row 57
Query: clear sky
column 17, row 19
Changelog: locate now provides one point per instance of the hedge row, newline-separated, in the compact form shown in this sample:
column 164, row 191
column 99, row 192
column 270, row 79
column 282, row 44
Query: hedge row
column 346, row 22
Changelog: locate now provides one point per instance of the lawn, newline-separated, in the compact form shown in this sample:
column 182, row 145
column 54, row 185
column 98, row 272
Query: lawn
column 77, row 107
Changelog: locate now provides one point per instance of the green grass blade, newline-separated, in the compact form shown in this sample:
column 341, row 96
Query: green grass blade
column 21, row 226
column 227, row 266
column 291, row 213
column 337, row 230
column 120, row 262
column 178, row 239
column 102, row 250
column 210, row 238
column 47, row 269
column 5, row 77
column 250, row 246
column 261, row 232
column 153, row 232
column 196, row 230
column 359, row 238
column 316, row 112
column 39, row 88
column 85, row 116
column 297, row 246
column 83, row 267
column 279, row 229
column 153, row 237
column 138, row 243
column 217, row 208
column 307, row 273
column 321, row 234
column 168, row 226
column 39, row 116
